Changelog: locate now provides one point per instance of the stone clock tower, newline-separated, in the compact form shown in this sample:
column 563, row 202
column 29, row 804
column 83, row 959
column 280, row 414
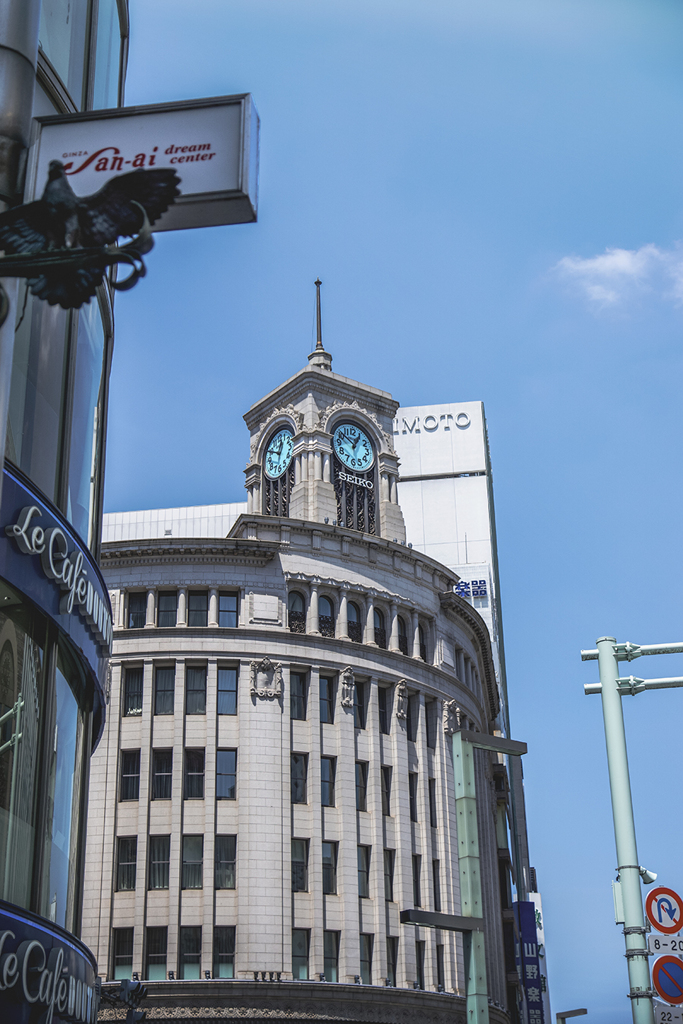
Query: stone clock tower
column 322, row 451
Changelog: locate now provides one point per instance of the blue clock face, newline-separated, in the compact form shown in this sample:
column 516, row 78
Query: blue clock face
column 353, row 447
column 278, row 453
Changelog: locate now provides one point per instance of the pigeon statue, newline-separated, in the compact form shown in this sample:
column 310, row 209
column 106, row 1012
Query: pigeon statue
column 62, row 220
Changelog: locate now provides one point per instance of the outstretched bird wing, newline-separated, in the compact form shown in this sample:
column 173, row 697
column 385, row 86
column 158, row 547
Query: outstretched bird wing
column 25, row 228
column 112, row 212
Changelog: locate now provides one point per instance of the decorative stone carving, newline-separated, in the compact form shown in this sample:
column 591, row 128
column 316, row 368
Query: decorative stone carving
column 401, row 699
column 348, row 687
column 325, row 414
column 451, row 717
column 264, row 425
column 266, row 679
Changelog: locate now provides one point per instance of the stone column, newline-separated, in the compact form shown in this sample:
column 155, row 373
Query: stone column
column 213, row 607
column 313, row 625
column 416, row 635
column 343, row 617
column 370, row 622
column 182, row 607
column 317, row 466
column 150, row 618
column 393, row 638
column 384, row 487
column 297, row 469
column 326, row 468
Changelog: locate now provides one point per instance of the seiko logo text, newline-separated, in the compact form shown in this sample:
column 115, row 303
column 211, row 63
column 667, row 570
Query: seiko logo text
column 351, row 479
column 33, row 975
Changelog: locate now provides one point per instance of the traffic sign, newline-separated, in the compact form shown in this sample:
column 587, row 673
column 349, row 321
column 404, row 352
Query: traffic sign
column 660, row 944
column 667, row 1014
column 667, row 978
column 664, row 909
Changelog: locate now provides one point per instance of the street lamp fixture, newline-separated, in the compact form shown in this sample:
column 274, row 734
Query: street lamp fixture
column 569, row 1013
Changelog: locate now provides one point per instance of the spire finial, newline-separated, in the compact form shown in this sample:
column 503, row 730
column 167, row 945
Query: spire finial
column 318, row 317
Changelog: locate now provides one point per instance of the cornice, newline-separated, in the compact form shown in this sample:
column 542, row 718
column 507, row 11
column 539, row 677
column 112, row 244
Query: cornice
column 459, row 607
column 213, row 551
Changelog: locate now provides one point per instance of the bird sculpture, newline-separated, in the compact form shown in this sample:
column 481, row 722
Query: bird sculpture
column 62, row 221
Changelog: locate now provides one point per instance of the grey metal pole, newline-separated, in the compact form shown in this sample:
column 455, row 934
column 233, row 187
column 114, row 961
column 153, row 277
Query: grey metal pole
column 625, row 834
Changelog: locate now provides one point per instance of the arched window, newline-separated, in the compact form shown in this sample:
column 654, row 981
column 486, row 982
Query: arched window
column 402, row 635
column 380, row 631
column 297, row 613
column 423, row 645
column 325, row 616
column 355, row 628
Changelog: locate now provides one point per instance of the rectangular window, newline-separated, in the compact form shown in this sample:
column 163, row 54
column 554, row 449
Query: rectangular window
column 327, row 703
column 366, row 959
column 364, row 872
column 227, row 691
column 132, row 692
column 159, row 857
column 155, row 960
column 299, row 865
column 361, row 785
column 432, row 722
column 164, row 691
column 226, row 775
column 413, row 716
column 331, row 954
column 389, row 861
column 300, row 939
column 225, row 859
column 137, row 610
column 227, row 610
column 440, row 972
column 193, row 862
column 126, row 861
column 392, row 959
column 359, row 707
column 130, row 775
column 387, row 772
column 299, row 772
column 195, row 691
column 194, row 775
column 417, row 871
column 420, row 963
column 197, row 607
column 433, row 820
column 162, row 774
column 122, row 945
column 328, row 767
column 436, row 882
column 330, row 868
column 297, row 695
column 190, row 959
column 166, row 609
column 384, row 700
column 412, row 795
column 224, row 952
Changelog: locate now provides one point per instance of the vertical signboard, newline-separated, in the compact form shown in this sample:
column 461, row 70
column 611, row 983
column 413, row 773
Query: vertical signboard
column 529, row 963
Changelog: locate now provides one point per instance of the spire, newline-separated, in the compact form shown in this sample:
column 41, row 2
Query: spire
column 319, row 357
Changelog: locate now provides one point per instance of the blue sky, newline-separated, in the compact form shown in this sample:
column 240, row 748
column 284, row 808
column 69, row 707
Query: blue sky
column 492, row 194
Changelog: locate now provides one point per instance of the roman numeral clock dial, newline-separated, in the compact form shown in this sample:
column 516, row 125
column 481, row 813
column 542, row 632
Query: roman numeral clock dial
column 353, row 447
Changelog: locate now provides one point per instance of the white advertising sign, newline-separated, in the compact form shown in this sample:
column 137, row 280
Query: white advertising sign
column 211, row 143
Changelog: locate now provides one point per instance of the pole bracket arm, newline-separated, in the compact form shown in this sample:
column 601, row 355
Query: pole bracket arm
column 641, row 993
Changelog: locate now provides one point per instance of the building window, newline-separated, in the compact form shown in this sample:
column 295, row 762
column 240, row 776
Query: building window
column 132, row 692
column 198, row 608
column 227, row 691
column 325, row 617
column 380, row 631
column 331, row 955
column 190, row 962
column 384, row 701
column 355, row 628
column 225, row 858
column 130, row 775
column 224, row 952
column 423, row 645
column 126, row 860
column 167, row 614
column 226, row 775
column 328, row 766
column 326, row 700
column 420, row 963
column 402, row 635
column 433, row 821
column 412, row 795
column 162, row 774
column 330, row 868
column 359, row 705
column 227, row 610
column 417, row 871
column 193, row 862
column 387, row 772
column 366, row 959
column 392, row 959
column 389, row 861
column 155, row 965
column 440, row 972
column 194, row 775
column 436, row 881
column 300, row 939
column 299, row 865
column 297, row 613
column 195, row 691
column 299, row 772
column 361, row 785
column 159, row 857
column 164, row 691
column 413, row 719
column 297, row 695
column 364, row 872
column 432, row 722
column 137, row 610
column 123, row 953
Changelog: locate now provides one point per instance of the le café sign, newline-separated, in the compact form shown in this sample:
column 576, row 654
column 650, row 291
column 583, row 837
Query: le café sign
column 211, row 143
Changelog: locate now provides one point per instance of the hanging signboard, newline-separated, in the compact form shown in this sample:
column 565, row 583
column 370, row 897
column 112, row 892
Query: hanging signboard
column 211, row 143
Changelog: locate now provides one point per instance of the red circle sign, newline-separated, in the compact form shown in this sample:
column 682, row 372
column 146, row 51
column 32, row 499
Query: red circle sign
column 667, row 978
column 664, row 909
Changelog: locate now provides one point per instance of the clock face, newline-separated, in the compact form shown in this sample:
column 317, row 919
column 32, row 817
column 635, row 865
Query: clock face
column 353, row 447
column 279, row 453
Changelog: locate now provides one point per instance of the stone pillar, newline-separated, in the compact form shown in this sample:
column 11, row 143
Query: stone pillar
column 370, row 622
column 313, row 626
column 150, row 619
column 343, row 617
column 393, row 637
column 250, row 499
column 182, row 606
column 416, row 635
column 326, row 468
column 317, row 466
column 213, row 607
column 297, row 469
column 384, row 487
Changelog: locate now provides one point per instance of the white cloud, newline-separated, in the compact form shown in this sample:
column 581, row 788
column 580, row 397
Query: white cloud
column 617, row 275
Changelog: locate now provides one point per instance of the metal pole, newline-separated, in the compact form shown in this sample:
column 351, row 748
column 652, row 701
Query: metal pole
column 625, row 834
